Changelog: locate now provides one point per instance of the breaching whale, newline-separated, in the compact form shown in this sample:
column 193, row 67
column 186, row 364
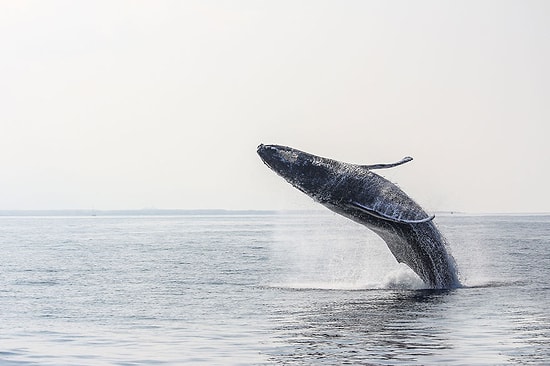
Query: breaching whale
column 357, row 193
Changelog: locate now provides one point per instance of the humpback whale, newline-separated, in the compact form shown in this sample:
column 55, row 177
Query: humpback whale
column 356, row 192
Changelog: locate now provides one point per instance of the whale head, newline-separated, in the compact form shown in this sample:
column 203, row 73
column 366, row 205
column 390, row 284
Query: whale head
column 309, row 173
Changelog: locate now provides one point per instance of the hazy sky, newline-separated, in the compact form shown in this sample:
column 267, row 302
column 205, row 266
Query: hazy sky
column 132, row 104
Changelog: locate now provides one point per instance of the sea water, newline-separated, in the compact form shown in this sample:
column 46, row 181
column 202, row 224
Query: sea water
column 266, row 288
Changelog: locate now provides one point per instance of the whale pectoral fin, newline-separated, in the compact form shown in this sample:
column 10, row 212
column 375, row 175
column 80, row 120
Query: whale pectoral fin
column 384, row 216
column 406, row 159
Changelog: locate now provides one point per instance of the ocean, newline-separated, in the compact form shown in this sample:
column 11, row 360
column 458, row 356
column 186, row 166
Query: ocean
column 261, row 288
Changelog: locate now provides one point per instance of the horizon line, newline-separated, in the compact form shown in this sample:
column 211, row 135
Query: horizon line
column 217, row 211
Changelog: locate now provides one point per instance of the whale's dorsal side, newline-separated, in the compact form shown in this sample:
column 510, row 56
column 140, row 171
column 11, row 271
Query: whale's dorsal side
column 384, row 216
column 406, row 159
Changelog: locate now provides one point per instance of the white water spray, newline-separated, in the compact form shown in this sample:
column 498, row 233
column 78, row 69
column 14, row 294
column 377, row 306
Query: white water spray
column 326, row 251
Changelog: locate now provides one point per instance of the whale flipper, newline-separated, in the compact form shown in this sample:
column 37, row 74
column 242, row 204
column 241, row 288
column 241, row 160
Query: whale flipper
column 384, row 216
column 406, row 159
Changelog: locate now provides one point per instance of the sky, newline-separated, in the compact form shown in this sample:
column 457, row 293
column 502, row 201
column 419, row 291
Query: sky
column 161, row 104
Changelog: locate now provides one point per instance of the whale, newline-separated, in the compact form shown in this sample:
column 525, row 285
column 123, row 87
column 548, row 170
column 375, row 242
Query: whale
column 357, row 193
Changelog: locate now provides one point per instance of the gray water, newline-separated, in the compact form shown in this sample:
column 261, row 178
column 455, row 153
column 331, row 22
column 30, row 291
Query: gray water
column 294, row 289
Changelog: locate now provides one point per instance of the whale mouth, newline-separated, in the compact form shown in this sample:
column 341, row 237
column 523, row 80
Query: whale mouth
column 267, row 152
column 276, row 156
column 262, row 149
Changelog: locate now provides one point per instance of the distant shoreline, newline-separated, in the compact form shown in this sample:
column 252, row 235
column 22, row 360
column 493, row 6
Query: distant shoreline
column 214, row 212
column 138, row 212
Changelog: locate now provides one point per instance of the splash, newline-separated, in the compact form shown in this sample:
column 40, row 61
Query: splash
column 404, row 279
column 400, row 279
column 329, row 252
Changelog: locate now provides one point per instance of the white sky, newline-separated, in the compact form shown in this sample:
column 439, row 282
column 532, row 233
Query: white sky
column 132, row 104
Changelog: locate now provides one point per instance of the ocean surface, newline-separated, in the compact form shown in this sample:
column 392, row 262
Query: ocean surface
column 266, row 289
